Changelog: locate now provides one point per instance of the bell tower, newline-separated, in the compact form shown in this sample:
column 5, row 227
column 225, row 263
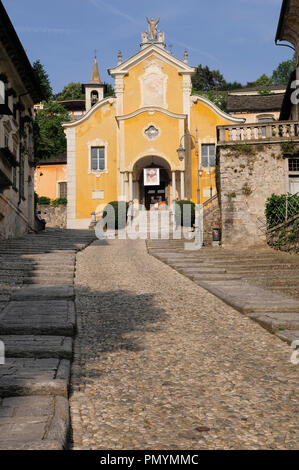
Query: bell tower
column 94, row 90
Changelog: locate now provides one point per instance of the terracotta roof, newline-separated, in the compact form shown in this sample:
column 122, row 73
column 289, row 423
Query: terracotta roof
column 61, row 158
column 73, row 105
column 254, row 103
column 257, row 88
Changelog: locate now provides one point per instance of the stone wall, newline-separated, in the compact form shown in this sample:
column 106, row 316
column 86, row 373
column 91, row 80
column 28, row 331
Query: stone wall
column 12, row 222
column 55, row 216
column 247, row 176
column 211, row 219
column 285, row 237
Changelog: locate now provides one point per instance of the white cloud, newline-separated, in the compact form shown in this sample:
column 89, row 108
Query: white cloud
column 100, row 4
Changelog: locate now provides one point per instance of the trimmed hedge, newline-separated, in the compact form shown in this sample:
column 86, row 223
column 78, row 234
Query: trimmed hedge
column 115, row 222
column 179, row 213
column 43, row 200
column 59, row 201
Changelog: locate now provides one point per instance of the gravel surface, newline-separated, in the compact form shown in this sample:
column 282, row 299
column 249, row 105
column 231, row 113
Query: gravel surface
column 162, row 364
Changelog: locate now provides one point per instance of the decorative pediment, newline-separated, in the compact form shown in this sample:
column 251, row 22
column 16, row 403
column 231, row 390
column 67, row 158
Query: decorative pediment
column 153, row 51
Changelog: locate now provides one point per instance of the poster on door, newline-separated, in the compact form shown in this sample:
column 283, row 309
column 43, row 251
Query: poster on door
column 151, row 176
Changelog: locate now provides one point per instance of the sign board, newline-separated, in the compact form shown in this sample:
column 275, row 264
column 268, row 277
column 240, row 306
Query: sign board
column 151, row 176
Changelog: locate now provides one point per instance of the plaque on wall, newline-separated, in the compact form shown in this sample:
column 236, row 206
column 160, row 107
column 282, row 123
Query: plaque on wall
column 151, row 176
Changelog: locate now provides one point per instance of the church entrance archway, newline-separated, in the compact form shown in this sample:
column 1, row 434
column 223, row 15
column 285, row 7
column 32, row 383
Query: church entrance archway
column 152, row 196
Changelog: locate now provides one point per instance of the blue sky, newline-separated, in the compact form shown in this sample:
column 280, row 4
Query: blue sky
column 234, row 36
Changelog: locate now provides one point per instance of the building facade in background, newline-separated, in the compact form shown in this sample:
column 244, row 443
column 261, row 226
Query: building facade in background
column 19, row 90
column 123, row 138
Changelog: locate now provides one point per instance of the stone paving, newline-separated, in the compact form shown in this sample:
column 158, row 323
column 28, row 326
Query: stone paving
column 37, row 321
column 260, row 282
column 161, row 363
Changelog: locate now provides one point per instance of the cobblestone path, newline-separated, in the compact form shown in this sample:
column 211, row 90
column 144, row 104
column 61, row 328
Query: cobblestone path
column 160, row 363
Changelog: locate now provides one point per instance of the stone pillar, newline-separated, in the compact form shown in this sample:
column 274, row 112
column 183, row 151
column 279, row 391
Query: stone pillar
column 130, row 186
column 173, row 187
column 122, row 186
column 182, row 185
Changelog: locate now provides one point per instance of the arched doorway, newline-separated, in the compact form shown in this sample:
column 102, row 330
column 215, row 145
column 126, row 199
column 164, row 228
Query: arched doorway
column 152, row 195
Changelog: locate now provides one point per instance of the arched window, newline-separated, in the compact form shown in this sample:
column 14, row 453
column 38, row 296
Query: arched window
column 94, row 97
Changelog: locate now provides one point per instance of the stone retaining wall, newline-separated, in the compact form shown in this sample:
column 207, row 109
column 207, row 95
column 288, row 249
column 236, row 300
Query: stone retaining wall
column 285, row 237
column 211, row 219
column 247, row 176
column 55, row 216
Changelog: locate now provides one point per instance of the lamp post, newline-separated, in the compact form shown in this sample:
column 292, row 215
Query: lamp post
column 182, row 155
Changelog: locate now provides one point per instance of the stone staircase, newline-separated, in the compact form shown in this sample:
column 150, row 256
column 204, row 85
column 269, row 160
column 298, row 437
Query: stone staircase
column 37, row 322
column 259, row 282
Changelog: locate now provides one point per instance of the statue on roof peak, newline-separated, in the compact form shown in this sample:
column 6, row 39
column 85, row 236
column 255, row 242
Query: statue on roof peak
column 152, row 28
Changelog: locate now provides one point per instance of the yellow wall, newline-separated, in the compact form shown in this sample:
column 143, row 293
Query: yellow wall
column 205, row 120
column 132, row 88
column 138, row 145
column 100, row 125
column 46, row 178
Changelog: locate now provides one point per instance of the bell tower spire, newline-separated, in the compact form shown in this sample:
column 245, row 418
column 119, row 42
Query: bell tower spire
column 95, row 74
column 94, row 90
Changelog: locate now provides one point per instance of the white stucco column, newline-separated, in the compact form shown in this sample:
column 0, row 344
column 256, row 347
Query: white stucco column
column 173, row 187
column 130, row 186
column 122, row 185
column 182, row 185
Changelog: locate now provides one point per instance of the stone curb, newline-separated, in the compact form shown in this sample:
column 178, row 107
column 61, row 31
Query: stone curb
column 272, row 318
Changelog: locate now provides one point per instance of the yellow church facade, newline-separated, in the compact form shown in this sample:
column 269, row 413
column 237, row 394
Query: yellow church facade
column 119, row 139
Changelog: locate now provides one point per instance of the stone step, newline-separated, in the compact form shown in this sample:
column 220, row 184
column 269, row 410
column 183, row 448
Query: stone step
column 248, row 298
column 59, row 275
column 55, row 317
column 288, row 335
column 28, row 266
column 44, row 293
column 34, row 423
column 51, row 282
column 27, row 376
column 38, row 347
column 274, row 321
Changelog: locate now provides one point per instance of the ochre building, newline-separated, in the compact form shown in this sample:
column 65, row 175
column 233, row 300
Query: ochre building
column 139, row 129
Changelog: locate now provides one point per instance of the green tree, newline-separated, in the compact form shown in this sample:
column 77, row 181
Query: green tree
column 109, row 90
column 205, row 79
column 217, row 97
column 44, row 79
column 49, row 135
column 228, row 86
column 72, row 91
column 281, row 75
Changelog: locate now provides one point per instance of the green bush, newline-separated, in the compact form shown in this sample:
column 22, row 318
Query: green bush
column 117, row 220
column 59, row 201
column 43, row 200
column 179, row 213
column 276, row 208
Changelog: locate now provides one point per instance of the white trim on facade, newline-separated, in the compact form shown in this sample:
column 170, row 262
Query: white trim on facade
column 222, row 114
column 71, row 176
column 86, row 116
column 153, row 50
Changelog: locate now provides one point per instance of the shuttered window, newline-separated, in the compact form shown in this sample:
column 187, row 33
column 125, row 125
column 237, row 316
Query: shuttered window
column 62, row 189
column 208, row 155
column 98, row 158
